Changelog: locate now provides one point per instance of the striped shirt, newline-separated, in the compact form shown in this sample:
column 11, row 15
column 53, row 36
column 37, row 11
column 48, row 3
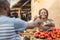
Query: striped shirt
column 8, row 26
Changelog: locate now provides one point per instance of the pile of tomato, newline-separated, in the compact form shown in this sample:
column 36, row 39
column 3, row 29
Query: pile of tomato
column 53, row 33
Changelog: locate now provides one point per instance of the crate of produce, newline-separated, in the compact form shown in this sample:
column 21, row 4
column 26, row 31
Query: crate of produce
column 52, row 34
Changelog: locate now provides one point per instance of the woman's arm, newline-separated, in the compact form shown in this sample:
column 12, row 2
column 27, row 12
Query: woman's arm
column 50, row 23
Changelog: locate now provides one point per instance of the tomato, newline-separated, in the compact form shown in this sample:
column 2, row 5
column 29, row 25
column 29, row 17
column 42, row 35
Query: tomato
column 53, row 36
column 37, row 33
column 53, row 28
column 41, row 30
column 49, row 38
column 58, row 36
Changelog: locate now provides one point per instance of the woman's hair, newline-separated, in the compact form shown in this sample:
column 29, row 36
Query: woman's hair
column 45, row 10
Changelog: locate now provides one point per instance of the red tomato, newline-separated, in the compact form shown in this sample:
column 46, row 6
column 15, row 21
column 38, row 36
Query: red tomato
column 41, row 36
column 52, row 28
column 36, row 34
column 42, row 33
column 46, row 32
column 41, row 30
column 55, row 32
column 58, row 36
column 58, row 33
column 53, row 36
column 49, row 38
column 46, row 35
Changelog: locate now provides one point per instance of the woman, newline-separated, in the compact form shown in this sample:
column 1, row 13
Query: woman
column 43, row 20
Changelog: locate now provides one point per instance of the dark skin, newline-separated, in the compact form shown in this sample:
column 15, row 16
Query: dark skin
column 28, row 25
column 43, row 17
column 6, row 14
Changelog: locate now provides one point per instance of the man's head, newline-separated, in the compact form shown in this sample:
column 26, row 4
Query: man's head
column 4, row 7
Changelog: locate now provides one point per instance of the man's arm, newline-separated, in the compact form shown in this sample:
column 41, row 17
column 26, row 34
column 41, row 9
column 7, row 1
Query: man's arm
column 33, row 23
column 21, row 25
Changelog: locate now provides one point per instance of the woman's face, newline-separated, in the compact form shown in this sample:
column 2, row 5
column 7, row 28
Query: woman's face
column 43, row 14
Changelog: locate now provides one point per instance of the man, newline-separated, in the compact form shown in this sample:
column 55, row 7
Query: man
column 9, row 26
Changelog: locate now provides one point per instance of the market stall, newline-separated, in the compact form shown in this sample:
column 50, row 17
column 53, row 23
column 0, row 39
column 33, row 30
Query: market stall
column 52, row 34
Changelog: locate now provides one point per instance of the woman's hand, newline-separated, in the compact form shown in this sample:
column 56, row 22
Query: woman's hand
column 38, row 24
column 48, row 24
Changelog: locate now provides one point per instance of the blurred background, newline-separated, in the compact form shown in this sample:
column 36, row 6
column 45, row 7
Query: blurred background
column 30, row 8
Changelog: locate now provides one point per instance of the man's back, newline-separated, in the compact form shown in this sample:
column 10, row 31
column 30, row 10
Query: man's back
column 7, row 29
column 8, row 26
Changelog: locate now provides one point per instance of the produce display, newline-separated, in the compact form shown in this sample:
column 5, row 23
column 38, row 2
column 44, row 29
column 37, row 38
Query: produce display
column 51, row 33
